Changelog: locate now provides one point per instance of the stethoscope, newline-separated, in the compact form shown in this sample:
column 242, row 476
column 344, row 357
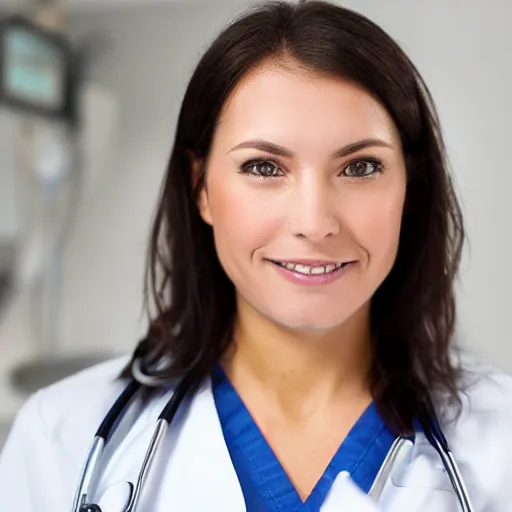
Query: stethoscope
column 90, row 471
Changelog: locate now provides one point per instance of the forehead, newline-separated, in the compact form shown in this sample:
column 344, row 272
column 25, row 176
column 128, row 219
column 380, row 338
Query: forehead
column 292, row 106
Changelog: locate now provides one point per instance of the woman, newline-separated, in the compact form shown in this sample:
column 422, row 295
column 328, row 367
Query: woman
column 302, row 265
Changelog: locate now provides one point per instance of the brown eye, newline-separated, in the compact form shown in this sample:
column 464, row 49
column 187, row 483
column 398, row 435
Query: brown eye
column 261, row 168
column 362, row 169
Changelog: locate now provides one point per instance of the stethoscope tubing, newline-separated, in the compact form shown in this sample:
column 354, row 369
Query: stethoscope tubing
column 162, row 426
column 435, row 436
column 429, row 424
column 101, row 437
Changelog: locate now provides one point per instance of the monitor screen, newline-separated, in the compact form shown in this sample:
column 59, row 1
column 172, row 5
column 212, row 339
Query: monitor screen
column 34, row 69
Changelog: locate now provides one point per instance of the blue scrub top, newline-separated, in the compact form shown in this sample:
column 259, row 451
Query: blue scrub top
column 265, row 485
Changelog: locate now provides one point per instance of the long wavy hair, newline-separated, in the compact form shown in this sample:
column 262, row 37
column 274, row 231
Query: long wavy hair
column 191, row 301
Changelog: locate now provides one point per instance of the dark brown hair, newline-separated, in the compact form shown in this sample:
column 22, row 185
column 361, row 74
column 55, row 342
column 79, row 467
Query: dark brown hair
column 413, row 311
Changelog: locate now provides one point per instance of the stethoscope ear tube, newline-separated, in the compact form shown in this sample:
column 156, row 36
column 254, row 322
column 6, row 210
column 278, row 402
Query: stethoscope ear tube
column 83, row 496
column 165, row 419
column 399, row 449
column 184, row 388
column 437, row 439
column 108, row 425
column 87, row 475
column 115, row 414
column 156, row 441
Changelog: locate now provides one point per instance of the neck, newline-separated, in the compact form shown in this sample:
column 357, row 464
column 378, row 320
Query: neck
column 301, row 369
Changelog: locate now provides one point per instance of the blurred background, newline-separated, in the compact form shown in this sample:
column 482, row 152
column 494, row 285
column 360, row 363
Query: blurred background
column 89, row 95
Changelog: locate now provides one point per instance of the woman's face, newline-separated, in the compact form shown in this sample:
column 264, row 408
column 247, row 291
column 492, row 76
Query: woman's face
column 305, row 187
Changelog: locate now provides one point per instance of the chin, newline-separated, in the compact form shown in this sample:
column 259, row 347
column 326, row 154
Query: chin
column 308, row 324
column 317, row 318
column 310, row 317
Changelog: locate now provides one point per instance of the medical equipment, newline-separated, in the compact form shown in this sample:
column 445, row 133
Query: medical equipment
column 89, row 475
column 56, row 131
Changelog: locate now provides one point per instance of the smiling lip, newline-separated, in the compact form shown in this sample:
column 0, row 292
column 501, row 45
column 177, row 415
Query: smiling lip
column 309, row 263
column 329, row 275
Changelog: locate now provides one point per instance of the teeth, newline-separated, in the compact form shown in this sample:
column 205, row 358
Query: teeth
column 311, row 270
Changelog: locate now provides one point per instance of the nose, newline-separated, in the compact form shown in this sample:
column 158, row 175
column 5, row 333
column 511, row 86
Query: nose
column 313, row 212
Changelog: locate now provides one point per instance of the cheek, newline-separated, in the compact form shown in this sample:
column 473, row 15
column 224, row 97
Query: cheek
column 242, row 222
column 376, row 225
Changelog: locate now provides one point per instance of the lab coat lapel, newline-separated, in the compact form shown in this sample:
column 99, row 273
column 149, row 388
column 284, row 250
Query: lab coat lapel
column 200, row 474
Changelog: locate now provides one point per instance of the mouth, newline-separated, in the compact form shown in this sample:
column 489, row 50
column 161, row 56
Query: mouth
column 312, row 269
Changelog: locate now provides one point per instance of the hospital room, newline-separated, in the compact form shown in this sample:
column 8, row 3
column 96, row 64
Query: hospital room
column 368, row 286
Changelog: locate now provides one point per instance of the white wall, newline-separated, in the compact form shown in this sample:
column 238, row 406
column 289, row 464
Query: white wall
column 9, row 215
column 153, row 52
column 461, row 47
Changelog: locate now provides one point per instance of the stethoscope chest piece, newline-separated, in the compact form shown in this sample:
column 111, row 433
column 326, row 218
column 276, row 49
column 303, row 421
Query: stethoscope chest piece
column 115, row 499
column 90, row 508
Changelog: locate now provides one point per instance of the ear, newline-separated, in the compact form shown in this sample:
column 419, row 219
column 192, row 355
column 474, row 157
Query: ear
column 203, row 203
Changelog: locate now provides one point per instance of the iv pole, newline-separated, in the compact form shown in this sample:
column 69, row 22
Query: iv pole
column 50, row 157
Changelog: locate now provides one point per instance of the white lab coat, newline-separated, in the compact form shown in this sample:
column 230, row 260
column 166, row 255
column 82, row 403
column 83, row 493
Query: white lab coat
column 42, row 459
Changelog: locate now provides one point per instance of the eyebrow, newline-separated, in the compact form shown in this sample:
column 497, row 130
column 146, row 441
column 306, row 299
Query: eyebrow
column 275, row 149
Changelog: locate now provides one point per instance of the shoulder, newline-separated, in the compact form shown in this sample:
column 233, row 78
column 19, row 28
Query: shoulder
column 84, row 395
column 486, row 400
column 485, row 388
column 44, row 452
column 481, row 436
column 69, row 412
